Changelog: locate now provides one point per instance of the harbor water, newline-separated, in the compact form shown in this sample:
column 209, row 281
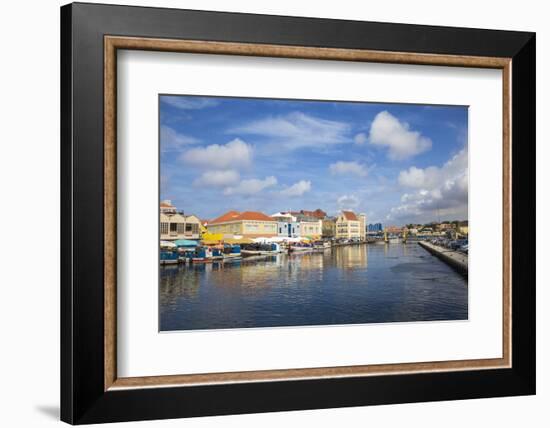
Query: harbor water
column 355, row 284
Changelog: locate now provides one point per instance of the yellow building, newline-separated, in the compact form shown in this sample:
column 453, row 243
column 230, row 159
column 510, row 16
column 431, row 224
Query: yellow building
column 348, row 225
column 250, row 224
column 311, row 228
column 329, row 228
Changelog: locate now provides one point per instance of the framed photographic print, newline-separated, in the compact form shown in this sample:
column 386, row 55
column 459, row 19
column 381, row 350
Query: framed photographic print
column 265, row 213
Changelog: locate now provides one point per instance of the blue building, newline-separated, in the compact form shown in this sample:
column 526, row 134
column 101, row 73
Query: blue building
column 376, row 227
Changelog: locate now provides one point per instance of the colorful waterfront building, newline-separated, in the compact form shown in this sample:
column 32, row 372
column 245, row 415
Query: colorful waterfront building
column 362, row 225
column 166, row 207
column 179, row 226
column 318, row 214
column 249, row 224
column 287, row 225
column 329, row 228
column 348, row 225
column 375, row 227
column 394, row 230
column 310, row 226
column 463, row 228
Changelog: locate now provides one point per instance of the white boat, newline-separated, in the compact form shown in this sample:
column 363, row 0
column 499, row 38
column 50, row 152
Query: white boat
column 246, row 253
column 300, row 249
column 321, row 245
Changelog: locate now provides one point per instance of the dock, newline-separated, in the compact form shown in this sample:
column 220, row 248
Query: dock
column 455, row 259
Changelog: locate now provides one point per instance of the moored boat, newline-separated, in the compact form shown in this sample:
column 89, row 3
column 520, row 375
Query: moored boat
column 300, row 248
column 168, row 257
column 321, row 245
column 217, row 254
column 231, row 252
column 260, row 249
column 201, row 255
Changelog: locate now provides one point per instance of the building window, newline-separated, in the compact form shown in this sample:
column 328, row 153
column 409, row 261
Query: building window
column 188, row 227
column 163, row 228
column 173, row 227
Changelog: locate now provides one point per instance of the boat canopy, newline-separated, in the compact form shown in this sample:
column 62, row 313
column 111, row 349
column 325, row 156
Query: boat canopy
column 167, row 244
column 185, row 243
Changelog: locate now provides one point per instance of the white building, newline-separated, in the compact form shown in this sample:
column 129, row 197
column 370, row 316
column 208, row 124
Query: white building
column 287, row 226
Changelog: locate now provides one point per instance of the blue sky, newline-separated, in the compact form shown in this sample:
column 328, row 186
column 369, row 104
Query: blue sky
column 397, row 163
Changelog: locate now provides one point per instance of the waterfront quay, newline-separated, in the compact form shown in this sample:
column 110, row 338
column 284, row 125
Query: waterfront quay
column 456, row 259
column 234, row 235
column 346, row 284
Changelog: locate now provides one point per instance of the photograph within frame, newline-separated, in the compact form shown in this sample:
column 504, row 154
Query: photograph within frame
column 389, row 245
column 111, row 381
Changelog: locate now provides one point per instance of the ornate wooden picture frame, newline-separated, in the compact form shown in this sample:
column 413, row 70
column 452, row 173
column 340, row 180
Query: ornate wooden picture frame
column 91, row 390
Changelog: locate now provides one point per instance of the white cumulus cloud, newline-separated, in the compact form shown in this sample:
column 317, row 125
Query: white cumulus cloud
column 221, row 178
column 434, row 191
column 387, row 131
column 433, row 176
column 251, row 186
column 360, row 138
column 297, row 189
column 348, row 202
column 348, row 168
column 188, row 102
column 234, row 154
column 296, row 130
column 172, row 141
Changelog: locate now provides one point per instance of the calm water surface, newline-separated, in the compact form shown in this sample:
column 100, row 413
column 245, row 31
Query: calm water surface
column 344, row 285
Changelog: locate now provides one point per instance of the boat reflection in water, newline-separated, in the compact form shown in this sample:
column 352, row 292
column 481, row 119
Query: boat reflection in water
column 343, row 285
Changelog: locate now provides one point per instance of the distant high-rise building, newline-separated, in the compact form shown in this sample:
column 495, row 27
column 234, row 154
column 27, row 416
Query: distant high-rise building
column 375, row 227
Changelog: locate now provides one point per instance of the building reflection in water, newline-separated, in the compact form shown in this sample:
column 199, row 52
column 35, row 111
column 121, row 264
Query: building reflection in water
column 342, row 285
column 354, row 258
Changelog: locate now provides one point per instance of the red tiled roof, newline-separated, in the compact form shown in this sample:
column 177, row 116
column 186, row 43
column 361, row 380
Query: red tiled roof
column 228, row 216
column 318, row 213
column 350, row 215
column 254, row 215
column 235, row 216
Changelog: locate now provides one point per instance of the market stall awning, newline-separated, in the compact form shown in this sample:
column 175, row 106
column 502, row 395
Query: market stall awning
column 185, row 243
column 210, row 242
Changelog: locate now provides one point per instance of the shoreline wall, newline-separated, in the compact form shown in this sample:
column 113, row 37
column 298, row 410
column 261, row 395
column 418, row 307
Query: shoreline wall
column 455, row 259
